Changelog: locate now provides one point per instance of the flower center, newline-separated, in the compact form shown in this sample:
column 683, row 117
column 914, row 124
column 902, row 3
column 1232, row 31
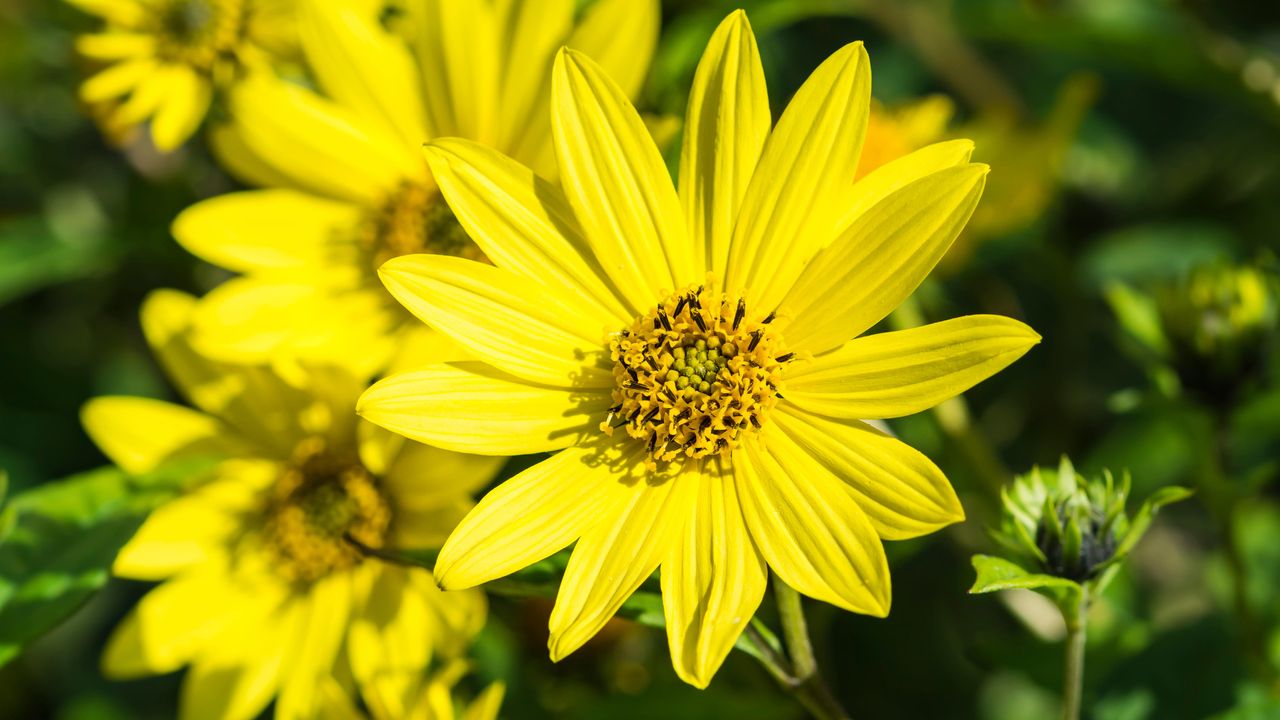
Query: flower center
column 321, row 502
column 416, row 220
column 199, row 32
column 693, row 374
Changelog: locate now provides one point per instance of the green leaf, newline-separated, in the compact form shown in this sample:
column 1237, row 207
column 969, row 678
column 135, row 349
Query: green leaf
column 996, row 573
column 62, row 539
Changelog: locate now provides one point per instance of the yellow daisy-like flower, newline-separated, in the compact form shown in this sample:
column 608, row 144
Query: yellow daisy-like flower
column 163, row 58
column 689, row 353
column 348, row 186
column 265, row 589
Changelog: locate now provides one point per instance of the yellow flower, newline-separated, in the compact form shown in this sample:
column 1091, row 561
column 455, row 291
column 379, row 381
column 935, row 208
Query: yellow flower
column 689, row 353
column 163, row 58
column 263, row 588
column 348, row 186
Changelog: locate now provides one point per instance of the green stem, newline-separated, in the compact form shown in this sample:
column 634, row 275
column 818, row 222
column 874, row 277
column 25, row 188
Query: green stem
column 807, row 686
column 1073, row 667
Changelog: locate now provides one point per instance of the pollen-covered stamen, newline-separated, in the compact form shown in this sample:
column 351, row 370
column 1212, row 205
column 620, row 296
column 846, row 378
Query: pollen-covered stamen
column 320, row 503
column 199, row 32
column 693, row 374
column 413, row 220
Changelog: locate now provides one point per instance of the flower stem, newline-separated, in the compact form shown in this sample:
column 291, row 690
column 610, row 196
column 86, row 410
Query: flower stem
column 807, row 685
column 1073, row 668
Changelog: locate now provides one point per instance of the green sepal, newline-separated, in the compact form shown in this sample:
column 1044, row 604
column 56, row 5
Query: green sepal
column 996, row 573
column 1142, row 520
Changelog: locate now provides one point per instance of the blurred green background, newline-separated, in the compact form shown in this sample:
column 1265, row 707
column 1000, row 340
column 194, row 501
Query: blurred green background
column 1131, row 141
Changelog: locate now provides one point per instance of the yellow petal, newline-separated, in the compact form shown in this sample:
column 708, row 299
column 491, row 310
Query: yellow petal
column 265, row 229
column 147, row 96
column 235, row 678
column 725, row 129
column 173, row 622
column 487, row 704
column 241, row 161
column 713, row 579
column 892, row 176
column 139, row 434
column 253, row 400
column 526, row 329
column 255, row 319
column 177, row 119
column 902, row 492
column 803, row 180
column 115, row 45
column 116, row 80
column 523, row 223
column 536, row 513
column 880, row 260
column 197, row 527
column 326, row 612
column 900, row 373
column 625, row 57
column 533, row 31
column 618, row 185
column 320, row 146
column 620, row 35
column 458, row 54
column 616, row 555
column 389, row 640
column 364, row 68
column 809, row 528
column 422, row 477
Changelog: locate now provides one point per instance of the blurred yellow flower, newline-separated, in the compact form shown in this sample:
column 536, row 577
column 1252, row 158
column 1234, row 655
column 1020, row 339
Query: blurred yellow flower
column 689, row 353
column 161, row 59
column 893, row 132
column 263, row 588
column 350, row 189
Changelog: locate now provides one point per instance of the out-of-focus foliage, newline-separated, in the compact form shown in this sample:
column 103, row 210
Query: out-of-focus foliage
column 1131, row 142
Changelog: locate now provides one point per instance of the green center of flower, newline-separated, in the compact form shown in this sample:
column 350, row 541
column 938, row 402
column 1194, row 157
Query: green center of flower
column 199, row 32
column 694, row 374
column 417, row 220
column 323, row 504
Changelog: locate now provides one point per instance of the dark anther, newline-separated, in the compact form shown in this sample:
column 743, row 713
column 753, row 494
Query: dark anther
column 684, row 299
column 635, row 376
column 636, row 386
column 653, row 442
column 695, row 300
column 662, row 318
column 770, row 318
column 669, row 393
column 779, row 396
column 755, row 421
column 697, row 318
column 614, row 410
column 720, row 444
column 649, row 415
column 619, row 423
column 755, row 339
column 785, row 357
column 702, row 425
column 737, row 316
